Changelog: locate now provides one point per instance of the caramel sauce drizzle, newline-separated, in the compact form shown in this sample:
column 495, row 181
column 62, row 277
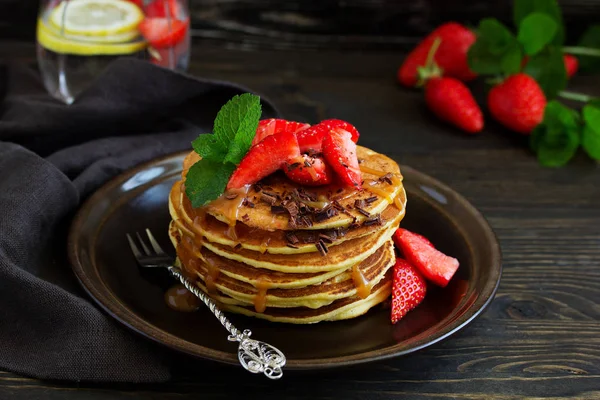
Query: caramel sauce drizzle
column 260, row 299
column 372, row 171
column 231, row 208
column 180, row 299
column 212, row 275
column 371, row 186
column 360, row 282
column 264, row 244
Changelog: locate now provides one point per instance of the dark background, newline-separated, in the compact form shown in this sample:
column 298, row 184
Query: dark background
column 316, row 24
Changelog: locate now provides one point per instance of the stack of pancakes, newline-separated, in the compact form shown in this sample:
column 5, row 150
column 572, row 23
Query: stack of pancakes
column 287, row 253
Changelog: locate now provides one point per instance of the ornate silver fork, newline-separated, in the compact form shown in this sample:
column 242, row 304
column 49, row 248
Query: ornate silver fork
column 254, row 355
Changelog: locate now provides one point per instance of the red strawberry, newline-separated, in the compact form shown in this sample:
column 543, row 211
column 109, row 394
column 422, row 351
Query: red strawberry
column 451, row 55
column 265, row 158
column 432, row 263
column 571, row 64
column 163, row 32
column 311, row 139
column 311, row 171
column 408, row 289
column 267, row 127
column 452, row 102
column 340, row 153
column 518, row 103
column 338, row 123
column 398, row 233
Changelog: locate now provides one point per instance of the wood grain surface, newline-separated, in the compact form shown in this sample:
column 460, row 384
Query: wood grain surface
column 539, row 339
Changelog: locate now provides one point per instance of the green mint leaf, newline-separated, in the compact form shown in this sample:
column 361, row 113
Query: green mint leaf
column 209, row 147
column 591, row 39
column 206, row 180
column 235, row 125
column 548, row 69
column 511, row 60
column 522, row 8
column 590, row 139
column 495, row 49
column 536, row 31
column 556, row 139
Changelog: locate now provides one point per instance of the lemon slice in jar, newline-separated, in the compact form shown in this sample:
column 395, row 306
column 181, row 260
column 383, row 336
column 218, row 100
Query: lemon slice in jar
column 95, row 17
column 51, row 40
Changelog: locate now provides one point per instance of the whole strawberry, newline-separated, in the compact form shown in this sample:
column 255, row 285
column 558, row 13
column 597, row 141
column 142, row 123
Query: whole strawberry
column 408, row 289
column 571, row 64
column 452, row 102
column 518, row 103
column 451, row 55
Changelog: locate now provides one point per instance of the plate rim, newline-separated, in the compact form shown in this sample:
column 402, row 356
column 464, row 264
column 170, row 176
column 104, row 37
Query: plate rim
column 111, row 304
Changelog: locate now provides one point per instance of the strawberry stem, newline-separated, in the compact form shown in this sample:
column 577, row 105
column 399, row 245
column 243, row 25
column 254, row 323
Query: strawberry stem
column 582, row 51
column 430, row 69
column 584, row 98
column 432, row 51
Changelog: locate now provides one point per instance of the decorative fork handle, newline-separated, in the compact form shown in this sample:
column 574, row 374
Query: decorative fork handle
column 255, row 356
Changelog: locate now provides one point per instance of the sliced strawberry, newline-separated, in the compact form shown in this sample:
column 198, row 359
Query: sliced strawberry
column 265, row 158
column 311, row 171
column 163, row 32
column 408, row 289
column 311, row 139
column 398, row 234
column 432, row 263
column 338, row 123
column 340, row 153
column 267, row 127
column 163, row 9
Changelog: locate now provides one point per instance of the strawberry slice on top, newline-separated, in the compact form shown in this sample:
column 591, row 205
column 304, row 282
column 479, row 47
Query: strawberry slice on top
column 268, row 127
column 265, row 158
column 432, row 263
column 310, row 171
column 408, row 289
column 340, row 153
column 311, row 139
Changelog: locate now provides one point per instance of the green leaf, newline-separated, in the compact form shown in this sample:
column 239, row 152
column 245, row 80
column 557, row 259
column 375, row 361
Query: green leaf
column 522, row 8
column 206, row 180
column 536, row 31
column 556, row 139
column 496, row 49
column 548, row 69
column 591, row 132
column 209, row 147
column 235, row 125
column 591, row 39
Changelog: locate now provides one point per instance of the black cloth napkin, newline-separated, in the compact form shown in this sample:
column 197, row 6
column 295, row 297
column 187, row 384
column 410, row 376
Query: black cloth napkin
column 53, row 156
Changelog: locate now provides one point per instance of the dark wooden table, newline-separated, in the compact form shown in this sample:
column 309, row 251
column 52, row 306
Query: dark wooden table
column 540, row 338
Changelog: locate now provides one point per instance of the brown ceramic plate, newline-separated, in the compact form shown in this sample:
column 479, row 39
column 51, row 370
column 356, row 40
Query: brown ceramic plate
column 137, row 200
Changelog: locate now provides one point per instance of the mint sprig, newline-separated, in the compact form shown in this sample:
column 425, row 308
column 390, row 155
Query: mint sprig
column 233, row 131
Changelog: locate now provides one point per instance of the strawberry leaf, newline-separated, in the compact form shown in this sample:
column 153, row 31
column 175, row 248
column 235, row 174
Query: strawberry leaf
column 536, row 31
column 548, row 69
column 235, row 125
column 590, row 39
column 590, row 139
column 496, row 50
column 209, row 147
column 206, row 180
column 556, row 139
column 522, row 8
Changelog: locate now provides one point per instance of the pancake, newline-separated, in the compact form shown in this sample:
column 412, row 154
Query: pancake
column 351, row 307
column 357, row 281
column 198, row 223
column 373, row 165
column 343, row 255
